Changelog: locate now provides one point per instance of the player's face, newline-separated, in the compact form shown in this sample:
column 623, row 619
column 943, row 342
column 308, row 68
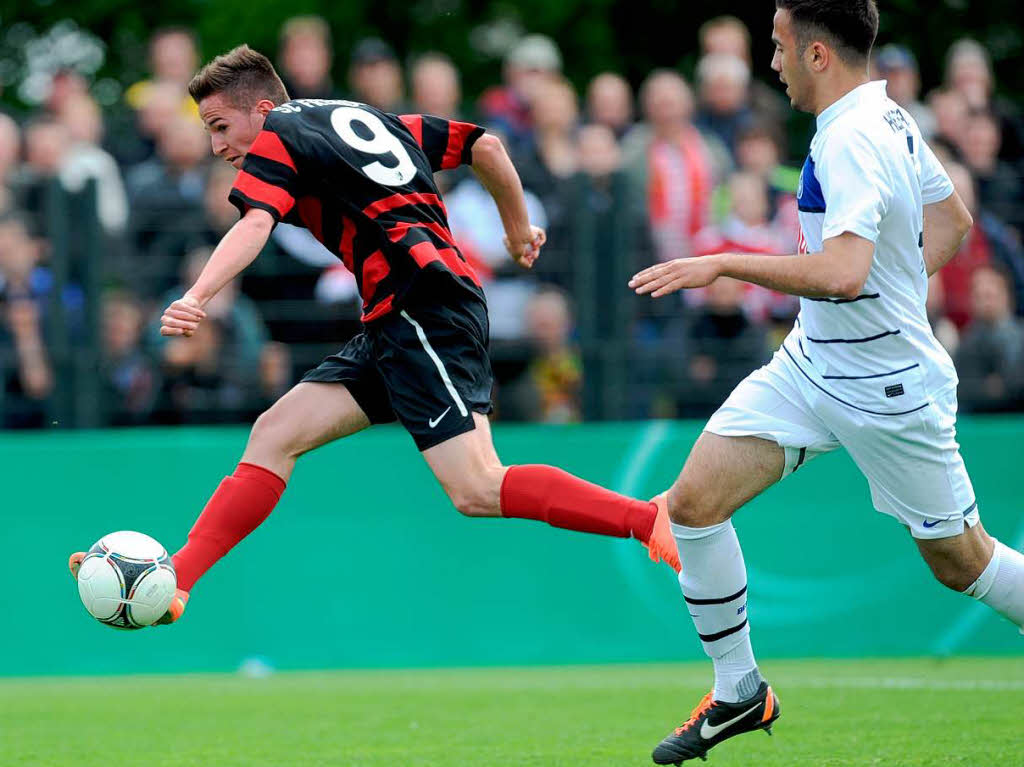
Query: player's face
column 232, row 130
column 788, row 61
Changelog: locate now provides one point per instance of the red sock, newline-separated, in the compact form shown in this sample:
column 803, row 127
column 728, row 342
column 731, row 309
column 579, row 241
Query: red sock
column 239, row 505
column 551, row 495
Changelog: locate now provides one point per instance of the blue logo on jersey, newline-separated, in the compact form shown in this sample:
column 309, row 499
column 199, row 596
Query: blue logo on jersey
column 809, row 197
column 937, row 521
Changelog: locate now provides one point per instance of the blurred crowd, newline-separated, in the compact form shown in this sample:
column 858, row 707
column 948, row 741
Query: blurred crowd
column 107, row 215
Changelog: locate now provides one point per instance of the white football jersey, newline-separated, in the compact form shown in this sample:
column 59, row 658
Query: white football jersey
column 869, row 172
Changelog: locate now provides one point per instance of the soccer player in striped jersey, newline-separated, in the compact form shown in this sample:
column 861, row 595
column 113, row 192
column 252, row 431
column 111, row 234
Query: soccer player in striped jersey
column 362, row 182
column 861, row 368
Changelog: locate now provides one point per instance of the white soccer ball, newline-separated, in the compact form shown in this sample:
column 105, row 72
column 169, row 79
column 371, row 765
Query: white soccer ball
column 127, row 580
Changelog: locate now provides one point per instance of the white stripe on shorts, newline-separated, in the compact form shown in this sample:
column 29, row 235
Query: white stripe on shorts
column 437, row 361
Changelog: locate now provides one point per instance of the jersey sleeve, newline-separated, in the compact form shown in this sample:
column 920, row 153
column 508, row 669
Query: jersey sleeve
column 855, row 185
column 446, row 143
column 935, row 183
column 268, row 179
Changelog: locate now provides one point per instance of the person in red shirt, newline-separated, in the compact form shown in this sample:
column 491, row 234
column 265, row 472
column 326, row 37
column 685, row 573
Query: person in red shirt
column 361, row 181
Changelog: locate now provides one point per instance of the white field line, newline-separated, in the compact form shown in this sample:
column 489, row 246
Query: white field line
column 905, row 683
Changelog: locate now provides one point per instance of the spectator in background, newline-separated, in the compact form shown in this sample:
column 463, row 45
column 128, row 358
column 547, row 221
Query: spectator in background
column 670, row 165
column 749, row 229
column 167, row 191
column 713, row 350
column 66, row 86
column 435, row 86
column 898, row 67
column 950, row 110
column 546, row 165
column 173, row 60
column 726, row 35
column 46, row 142
column 158, row 105
column 26, row 375
column 158, row 99
column 556, row 371
column 989, row 242
column 549, row 389
column 999, row 186
column 723, row 81
column 969, row 72
column 173, row 55
column 85, row 161
column 220, row 214
column 375, row 76
column 758, row 151
column 598, row 152
column 534, row 60
column 305, row 58
column 436, row 90
column 275, row 373
column 610, row 103
column 129, row 375
column 10, row 156
column 167, row 196
column 215, row 376
column 990, row 360
column 729, row 36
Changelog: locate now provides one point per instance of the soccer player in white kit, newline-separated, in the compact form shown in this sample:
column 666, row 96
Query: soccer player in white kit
column 861, row 368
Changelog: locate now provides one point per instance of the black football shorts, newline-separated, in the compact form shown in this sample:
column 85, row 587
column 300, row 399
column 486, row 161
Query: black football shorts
column 426, row 366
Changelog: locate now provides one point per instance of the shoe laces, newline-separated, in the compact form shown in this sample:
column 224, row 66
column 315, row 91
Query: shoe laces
column 703, row 707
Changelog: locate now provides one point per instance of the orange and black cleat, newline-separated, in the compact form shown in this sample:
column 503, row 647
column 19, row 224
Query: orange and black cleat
column 714, row 721
column 176, row 608
column 174, row 611
column 75, row 563
column 661, row 546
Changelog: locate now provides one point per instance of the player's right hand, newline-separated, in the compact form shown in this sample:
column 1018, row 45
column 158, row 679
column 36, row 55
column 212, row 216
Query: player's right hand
column 182, row 317
column 525, row 251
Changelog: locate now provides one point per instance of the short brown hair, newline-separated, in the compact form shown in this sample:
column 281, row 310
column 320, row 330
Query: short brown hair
column 243, row 75
column 850, row 25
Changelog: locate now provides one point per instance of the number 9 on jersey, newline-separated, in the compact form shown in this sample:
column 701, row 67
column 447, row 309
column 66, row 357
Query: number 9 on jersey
column 381, row 142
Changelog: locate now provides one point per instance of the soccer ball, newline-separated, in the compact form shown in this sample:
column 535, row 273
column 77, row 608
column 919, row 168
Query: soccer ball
column 126, row 580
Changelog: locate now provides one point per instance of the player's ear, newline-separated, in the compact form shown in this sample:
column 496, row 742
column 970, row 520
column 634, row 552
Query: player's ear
column 264, row 106
column 817, row 56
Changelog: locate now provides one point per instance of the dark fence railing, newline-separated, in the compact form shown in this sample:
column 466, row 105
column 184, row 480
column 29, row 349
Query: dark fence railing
column 633, row 363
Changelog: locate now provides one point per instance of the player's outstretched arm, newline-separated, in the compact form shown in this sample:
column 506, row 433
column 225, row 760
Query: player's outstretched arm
column 838, row 271
column 946, row 223
column 496, row 172
column 237, row 249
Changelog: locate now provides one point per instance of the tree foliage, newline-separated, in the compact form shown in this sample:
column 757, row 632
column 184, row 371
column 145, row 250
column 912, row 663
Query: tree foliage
column 630, row 36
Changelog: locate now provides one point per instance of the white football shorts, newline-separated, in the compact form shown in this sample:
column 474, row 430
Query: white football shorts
column 911, row 459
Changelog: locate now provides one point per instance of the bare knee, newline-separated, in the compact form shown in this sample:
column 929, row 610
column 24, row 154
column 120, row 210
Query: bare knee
column 271, row 434
column 953, row 574
column 470, row 503
column 479, row 495
column 693, row 506
column 957, row 562
column 955, row 571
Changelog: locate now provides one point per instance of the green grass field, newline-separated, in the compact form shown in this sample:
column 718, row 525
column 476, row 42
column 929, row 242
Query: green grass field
column 900, row 712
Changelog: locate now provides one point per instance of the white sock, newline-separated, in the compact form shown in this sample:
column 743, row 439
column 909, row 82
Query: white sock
column 714, row 584
column 1001, row 584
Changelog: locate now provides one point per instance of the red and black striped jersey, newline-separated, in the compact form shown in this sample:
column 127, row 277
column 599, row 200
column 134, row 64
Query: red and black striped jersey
column 362, row 182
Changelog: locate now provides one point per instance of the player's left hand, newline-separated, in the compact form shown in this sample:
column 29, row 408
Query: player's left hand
column 679, row 274
column 525, row 252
